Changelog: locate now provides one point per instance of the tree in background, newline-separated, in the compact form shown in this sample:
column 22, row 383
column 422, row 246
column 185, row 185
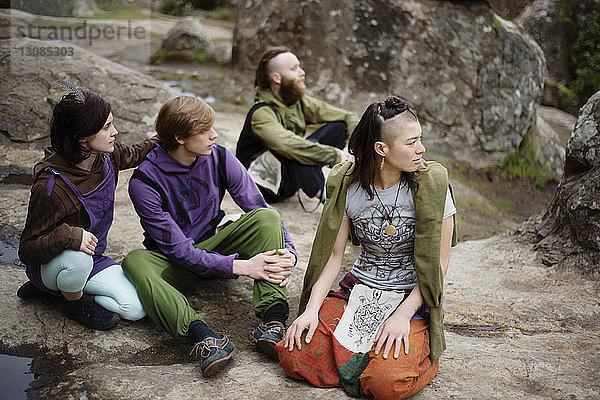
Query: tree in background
column 586, row 57
column 177, row 7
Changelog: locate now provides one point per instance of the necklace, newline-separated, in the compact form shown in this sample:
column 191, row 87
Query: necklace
column 390, row 229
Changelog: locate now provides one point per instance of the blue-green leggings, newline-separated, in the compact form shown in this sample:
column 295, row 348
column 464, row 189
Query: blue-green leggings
column 157, row 279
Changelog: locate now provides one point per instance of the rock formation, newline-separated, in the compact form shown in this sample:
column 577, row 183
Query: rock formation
column 550, row 23
column 554, row 24
column 550, row 134
column 570, row 226
column 85, row 8
column 473, row 78
column 29, row 89
column 187, row 35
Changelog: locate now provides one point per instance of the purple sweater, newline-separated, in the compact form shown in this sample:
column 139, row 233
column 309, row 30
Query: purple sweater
column 192, row 201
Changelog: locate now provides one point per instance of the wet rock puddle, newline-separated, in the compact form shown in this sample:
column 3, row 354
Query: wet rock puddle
column 179, row 87
column 15, row 376
column 30, row 373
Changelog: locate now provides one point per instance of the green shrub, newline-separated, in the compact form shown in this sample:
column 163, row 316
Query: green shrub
column 523, row 164
column 177, row 7
column 586, row 57
column 179, row 56
column 205, row 4
column 172, row 7
column 171, row 55
column 223, row 13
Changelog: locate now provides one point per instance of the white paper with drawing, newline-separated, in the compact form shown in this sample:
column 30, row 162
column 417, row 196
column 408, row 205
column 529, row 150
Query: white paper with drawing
column 366, row 310
column 266, row 171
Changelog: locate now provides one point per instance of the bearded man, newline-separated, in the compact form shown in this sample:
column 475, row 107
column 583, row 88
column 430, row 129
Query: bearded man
column 281, row 156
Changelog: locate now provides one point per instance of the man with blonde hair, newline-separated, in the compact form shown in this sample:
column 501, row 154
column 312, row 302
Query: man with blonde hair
column 275, row 142
column 177, row 193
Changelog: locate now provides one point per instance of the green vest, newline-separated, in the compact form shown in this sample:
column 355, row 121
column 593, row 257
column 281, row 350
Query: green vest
column 429, row 212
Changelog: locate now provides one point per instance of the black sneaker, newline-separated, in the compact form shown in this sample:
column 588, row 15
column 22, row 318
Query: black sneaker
column 267, row 335
column 213, row 353
column 29, row 291
column 90, row 314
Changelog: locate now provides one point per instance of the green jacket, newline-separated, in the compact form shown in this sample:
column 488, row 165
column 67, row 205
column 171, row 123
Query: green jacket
column 282, row 128
column 429, row 211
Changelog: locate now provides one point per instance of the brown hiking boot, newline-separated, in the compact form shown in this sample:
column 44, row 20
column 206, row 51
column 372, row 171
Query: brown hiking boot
column 213, row 353
column 267, row 335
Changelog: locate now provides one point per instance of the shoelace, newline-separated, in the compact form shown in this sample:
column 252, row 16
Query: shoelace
column 271, row 327
column 203, row 347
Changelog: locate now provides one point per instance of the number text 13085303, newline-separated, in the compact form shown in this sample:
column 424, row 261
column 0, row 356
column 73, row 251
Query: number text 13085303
column 46, row 51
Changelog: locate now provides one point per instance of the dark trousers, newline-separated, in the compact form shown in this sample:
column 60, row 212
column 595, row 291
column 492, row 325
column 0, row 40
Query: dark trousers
column 309, row 178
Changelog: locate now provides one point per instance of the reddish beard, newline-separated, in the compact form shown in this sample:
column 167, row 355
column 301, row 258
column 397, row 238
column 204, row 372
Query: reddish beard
column 291, row 90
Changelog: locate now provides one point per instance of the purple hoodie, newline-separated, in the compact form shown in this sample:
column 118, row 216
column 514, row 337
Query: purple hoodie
column 192, row 201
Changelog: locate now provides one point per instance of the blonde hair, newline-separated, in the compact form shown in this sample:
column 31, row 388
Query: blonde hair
column 181, row 117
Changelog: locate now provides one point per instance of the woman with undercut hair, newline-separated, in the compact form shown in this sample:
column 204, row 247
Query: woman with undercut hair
column 381, row 333
column 71, row 210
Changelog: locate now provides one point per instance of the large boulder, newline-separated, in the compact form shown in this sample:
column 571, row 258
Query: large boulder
column 187, row 35
column 473, row 77
column 554, row 24
column 550, row 134
column 571, row 224
column 85, row 8
column 63, row 8
column 30, row 90
column 551, row 24
column 508, row 9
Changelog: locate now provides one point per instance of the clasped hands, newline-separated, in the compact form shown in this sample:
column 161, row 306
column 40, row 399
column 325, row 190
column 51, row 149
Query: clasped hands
column 273, row 266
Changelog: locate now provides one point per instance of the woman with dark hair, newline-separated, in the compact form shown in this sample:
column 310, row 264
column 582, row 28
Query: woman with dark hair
column 71, row 210
column 381, row 334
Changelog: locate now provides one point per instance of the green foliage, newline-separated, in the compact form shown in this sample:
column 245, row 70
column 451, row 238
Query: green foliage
column 200, row 57
column 179, row 56
column 561, row 96
column 170, row 55
column 224, row 14
column 586, row 57
column 205, row 4
column 45, row 7
column 118, row 12
column 172, row 7
column 559, row 86
column 523, row 164
column 177, row 7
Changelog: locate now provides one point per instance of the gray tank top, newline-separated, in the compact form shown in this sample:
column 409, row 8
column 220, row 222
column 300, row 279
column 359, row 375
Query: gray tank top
column 386, row 261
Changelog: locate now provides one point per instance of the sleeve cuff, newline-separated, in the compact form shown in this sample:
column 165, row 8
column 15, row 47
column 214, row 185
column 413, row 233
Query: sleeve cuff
column 338, row 157
column 77, row 238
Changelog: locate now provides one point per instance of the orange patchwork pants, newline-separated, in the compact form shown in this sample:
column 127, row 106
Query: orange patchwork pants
column 324, row 362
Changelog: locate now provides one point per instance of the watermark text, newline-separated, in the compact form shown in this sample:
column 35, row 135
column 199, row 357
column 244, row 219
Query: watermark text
column 83, row 31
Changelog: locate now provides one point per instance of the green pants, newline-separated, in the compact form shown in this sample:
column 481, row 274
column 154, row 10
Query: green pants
column 156, row 278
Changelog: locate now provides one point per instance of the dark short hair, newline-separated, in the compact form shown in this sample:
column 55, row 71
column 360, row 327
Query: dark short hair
column 181, row 117
column 74, row 119
column 262, row 71
column 368, row 131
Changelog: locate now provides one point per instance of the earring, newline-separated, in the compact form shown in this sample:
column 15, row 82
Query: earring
column 382, row 163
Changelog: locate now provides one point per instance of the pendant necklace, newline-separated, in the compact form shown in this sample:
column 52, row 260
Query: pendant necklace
column 390, row 229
